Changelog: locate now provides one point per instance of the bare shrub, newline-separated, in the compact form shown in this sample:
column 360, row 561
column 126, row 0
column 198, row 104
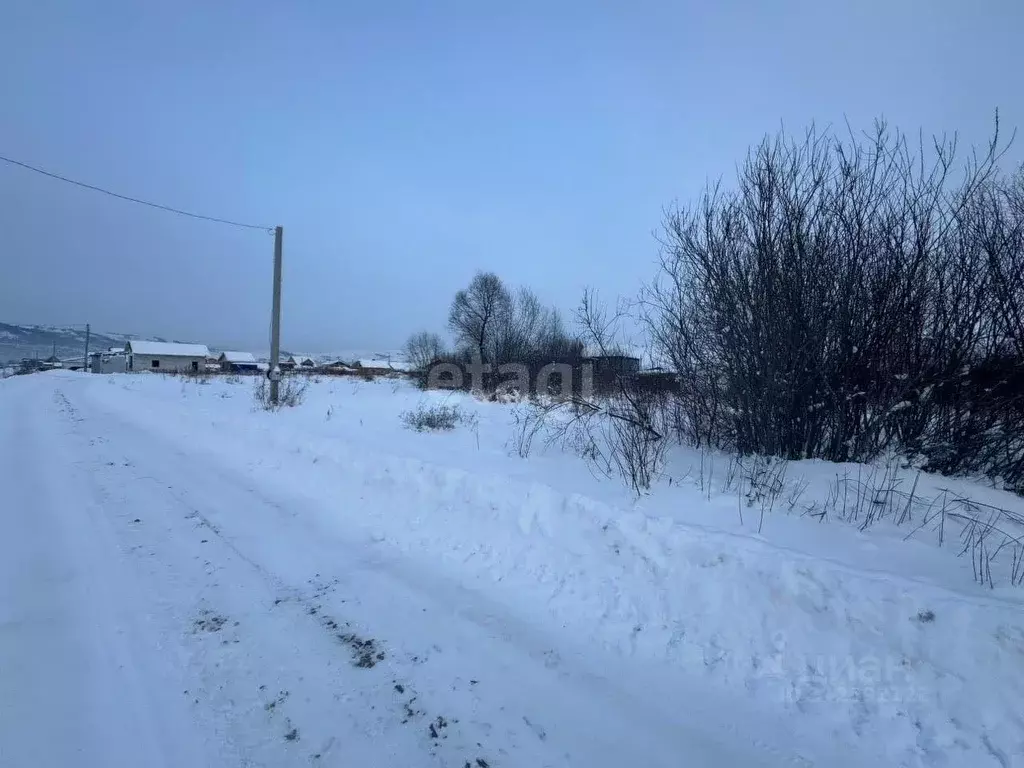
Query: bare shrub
column 291, row 392
column 575, row 425
column 636, row 419
column 200, row 376
column 529, row 423
column 434, row 418
column 613, row 435
column 637, row 440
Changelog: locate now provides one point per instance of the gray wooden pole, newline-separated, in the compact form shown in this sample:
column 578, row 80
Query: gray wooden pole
column 86, row 366
column 275, row 319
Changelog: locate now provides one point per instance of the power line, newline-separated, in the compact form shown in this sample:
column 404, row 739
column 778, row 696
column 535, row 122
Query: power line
column 134, row 199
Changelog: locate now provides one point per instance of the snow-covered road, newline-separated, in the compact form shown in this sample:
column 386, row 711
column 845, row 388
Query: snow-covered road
column 161, row 608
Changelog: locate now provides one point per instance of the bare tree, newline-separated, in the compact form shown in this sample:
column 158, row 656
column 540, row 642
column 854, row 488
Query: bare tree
column 600, row 327
column 422, row 349
column 529, row 331
column 476, row 310
column 515, row 326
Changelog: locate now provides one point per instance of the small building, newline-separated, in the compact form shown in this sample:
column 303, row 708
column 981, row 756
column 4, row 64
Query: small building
column 658, row 380
column 165, row 356
column 401, row 366
column 610, row 370
column 108, row 362
column 238, row 362
column 372, row 367
column 615, row 365
column 336, row 368
column 382, row 367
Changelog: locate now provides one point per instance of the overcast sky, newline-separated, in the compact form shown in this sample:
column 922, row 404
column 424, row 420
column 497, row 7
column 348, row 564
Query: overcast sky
column 404, row 145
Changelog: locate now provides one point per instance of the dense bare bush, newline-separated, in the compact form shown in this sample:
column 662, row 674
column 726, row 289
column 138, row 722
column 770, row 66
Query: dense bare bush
column 847, row 296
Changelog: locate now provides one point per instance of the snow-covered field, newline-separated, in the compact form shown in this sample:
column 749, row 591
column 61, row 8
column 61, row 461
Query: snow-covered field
column 186, row 581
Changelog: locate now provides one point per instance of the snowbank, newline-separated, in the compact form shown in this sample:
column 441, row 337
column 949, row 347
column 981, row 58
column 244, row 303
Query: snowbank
column 880, row 643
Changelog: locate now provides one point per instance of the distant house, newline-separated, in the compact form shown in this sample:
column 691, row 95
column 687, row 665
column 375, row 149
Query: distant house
column 238, row 362
column 609, row 370
column 30, row 365
column 381, row 367
column 164, row 356
column 619, row 365
column 337, row 368
column 293, row 362
column 372, row 367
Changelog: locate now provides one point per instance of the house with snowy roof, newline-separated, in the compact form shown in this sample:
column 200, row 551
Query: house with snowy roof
column 381, row 366
column 300, row 362
column 164, row 356
column 238, row 362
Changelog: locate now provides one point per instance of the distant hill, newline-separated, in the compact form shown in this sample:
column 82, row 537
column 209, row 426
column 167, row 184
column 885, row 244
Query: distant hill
column 21, row 341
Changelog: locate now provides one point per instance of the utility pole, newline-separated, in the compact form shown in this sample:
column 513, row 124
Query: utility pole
column 275, row 320
column 86, row 366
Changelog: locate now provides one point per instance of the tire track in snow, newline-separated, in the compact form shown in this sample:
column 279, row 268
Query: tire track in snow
column 305, row 604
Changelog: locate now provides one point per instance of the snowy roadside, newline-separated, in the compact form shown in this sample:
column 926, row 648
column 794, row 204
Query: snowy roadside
column 162, row 608
column 867, row 641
